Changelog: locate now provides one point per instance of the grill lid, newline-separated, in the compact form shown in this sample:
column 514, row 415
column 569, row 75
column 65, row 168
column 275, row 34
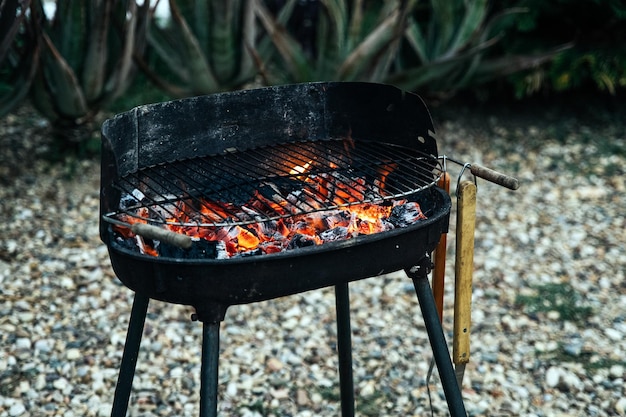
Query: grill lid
column 272, row 182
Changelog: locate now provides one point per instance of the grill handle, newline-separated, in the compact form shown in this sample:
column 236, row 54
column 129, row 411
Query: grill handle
column 494, row 176
column 156, row 233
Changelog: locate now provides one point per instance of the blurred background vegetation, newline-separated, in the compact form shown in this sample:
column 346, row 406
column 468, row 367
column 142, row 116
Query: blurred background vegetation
column 74, row 60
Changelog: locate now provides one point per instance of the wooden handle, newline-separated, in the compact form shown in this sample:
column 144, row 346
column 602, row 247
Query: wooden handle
column 495, row 176
column 440, row 257
column 464, row 266
column 156, row 233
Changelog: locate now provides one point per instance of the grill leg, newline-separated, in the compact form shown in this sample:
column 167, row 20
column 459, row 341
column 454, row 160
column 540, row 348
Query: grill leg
column 437, row 339
column 129, row 357
column 209, row 368
column 344, row 349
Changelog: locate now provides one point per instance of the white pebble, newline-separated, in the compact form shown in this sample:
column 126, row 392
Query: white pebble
column 620, row 406
column 617, row 371
column 553, row 376
column 44, row 345
column 22, row 343
column 17, row 409
column 73, row 354
column 613, row 334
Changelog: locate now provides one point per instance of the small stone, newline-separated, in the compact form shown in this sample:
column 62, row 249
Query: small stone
column 60, row 383
column 17, row 409
column 571, row 381
column 73, row 354
column 156, row 347
column 302, row 398
column 25, row 316
column 176, row 372
column 553, row 315
column 40, row 382
column 44, row 345
column 368, row 389
column 616, row 371
column 274, row 364
column 316, row 398
column 553, row 376
column 22, row 343
column 614, row 335
column 231, row 389
column 573, row 347
column 280, row 394
column 620, row 406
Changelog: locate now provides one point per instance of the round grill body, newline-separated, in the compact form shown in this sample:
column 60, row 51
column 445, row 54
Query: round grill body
column 241, row 122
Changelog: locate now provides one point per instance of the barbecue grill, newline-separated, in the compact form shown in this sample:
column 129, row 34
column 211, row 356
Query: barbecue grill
column 174, row 173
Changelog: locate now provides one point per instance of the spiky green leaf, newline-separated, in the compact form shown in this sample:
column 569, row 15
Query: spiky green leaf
column 376, row 42
column 287, row 46
column 61, row 82
column 95, row 63
column 192, row 54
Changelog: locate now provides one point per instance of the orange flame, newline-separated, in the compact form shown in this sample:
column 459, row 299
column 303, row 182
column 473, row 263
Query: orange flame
column 275, row 236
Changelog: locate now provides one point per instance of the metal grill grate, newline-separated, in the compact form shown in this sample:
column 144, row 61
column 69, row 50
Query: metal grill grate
column 273, row 182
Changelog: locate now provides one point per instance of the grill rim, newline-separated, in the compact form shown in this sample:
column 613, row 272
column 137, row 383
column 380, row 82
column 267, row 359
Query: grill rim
column 428, row 165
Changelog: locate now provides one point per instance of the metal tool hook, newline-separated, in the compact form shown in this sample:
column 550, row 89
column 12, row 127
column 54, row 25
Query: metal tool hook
column 458, row 181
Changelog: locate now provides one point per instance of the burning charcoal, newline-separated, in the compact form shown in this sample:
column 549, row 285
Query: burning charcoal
column 131, row 200
column 267, row 199
column 270, row 247
column 406, row 214
column 300, row 241
column 127, row 243
column 386, row 225
column 281, row 186
column 200, row 249
column 294, row 196
column 274, row 230
column 252, row 252
column 268, row 190
column 337, row 218
column 220, row 248
column 336, row 233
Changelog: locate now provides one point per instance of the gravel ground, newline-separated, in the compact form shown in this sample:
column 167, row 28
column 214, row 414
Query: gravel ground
column 549, row 300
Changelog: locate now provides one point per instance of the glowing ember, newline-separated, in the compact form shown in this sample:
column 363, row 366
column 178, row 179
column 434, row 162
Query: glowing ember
column 298, row 218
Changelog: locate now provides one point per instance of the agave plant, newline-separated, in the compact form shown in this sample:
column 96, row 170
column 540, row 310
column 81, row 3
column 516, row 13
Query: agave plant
column 449, row 41
column 18, row 54
column 205, row 47
column 429, row 45
column 355, row 40
column 86, row 60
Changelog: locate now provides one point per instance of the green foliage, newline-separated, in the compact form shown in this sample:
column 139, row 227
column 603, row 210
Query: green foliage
column 574, row 69
column 18, row 54
column 353, row 41
column 596, row 28
column 449, row 42
column 83, row 58
column 206, row 46
column 86, row 60
column 559, row 297
column 210, row 46
column 371, row 405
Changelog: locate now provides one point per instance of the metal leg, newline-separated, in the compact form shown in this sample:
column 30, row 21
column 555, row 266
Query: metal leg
column 437, row 339
column 344, row 349
column 209, row 369
column 129, row 357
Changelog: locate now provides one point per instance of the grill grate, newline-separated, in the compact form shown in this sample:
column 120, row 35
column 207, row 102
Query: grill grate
column 273, row 182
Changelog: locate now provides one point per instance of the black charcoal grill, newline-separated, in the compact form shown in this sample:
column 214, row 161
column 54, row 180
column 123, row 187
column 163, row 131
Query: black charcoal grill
column 227, row 160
